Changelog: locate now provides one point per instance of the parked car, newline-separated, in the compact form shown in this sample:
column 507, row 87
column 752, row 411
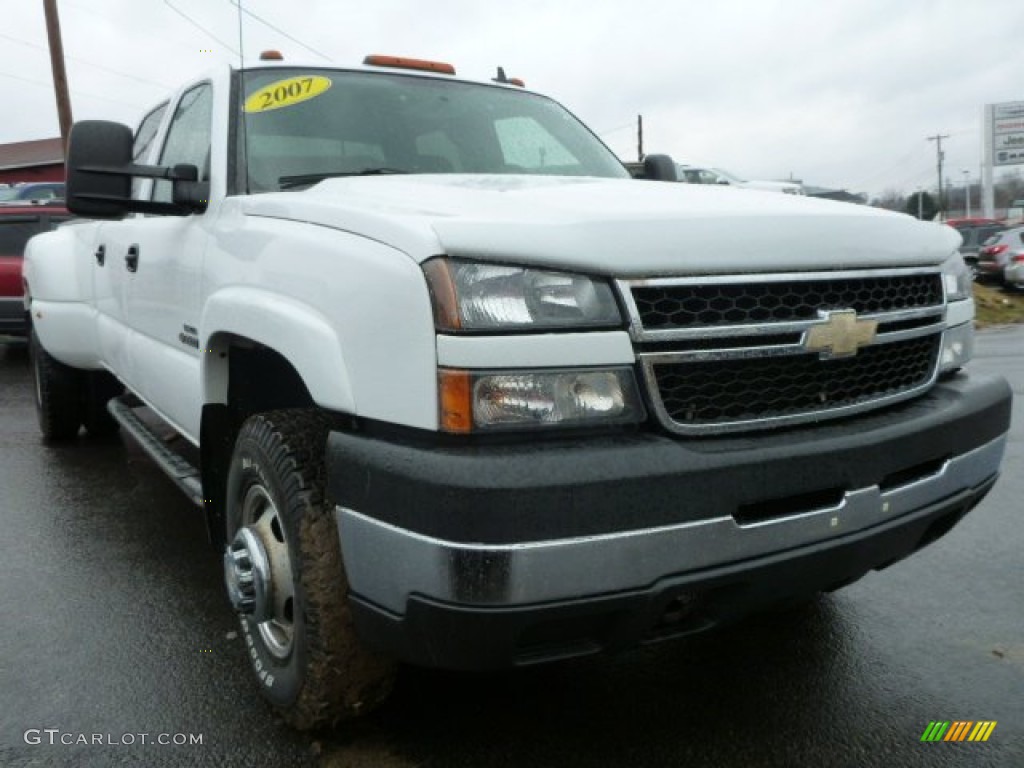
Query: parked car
column 999, row 252
column 974, row 232
column 694, row 174
column 25, row 193
column 17, row 224
column 1012, row 257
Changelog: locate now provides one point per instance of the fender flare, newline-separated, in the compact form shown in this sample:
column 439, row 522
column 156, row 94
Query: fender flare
column 296, row 331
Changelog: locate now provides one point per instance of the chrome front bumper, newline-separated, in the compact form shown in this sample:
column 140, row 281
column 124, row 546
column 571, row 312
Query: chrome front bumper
column 387, row 565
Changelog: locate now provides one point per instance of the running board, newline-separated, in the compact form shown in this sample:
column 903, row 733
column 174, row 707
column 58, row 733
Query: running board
column 184, row 475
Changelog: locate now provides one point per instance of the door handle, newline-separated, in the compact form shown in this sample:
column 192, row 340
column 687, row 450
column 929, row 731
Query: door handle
column 131, row 259
column 101, row 255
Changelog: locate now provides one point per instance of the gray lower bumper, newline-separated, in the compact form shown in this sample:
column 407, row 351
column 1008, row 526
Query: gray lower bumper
column 386, row 565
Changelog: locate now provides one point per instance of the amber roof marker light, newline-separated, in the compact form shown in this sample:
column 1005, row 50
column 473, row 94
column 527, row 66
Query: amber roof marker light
column 504, row 79
column 271, row 56
column 400, row 62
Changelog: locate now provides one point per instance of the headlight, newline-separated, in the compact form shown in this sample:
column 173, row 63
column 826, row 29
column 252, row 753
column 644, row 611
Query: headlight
column 956, row 278
column 476, row 296
column 472, row 401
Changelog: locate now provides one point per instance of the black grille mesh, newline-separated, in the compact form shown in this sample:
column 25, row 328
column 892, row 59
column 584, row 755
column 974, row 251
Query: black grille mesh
column 722, row 391
column 706, row 305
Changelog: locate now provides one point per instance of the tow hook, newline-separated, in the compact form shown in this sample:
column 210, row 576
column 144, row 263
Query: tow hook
column 247, row 575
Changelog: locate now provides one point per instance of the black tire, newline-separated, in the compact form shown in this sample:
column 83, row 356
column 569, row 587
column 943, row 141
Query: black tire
column 99, row 387
column 58, row 393
column 319, row 674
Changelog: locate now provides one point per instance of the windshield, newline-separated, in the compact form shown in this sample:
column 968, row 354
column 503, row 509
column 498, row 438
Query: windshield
column 304, row 125
column 10, row 193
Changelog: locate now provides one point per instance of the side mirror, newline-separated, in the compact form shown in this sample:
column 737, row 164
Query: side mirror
column 660, row 168
column 98, row 143
column 100, row 171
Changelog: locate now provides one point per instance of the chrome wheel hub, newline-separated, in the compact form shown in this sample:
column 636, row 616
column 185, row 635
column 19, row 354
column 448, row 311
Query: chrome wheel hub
column 247, row 575
column 258, row 572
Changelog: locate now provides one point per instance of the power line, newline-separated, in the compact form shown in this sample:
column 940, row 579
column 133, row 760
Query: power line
column 199, row 26
column 630, row 124
column 75, row 91
column 870, row 179
column 919, row 178
column 279, row 31
column 88, row 63
column 135, row 31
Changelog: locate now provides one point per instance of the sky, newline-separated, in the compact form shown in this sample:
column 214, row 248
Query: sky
column 836, row 93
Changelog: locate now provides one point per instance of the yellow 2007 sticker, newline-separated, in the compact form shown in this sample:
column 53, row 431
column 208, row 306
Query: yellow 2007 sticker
column 286, row 93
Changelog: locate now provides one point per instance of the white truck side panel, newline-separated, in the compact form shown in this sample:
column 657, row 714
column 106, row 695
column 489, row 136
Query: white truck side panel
column 67, row 331
column 58, row 266
column 172, row 383
column 351, row 315
column 58, row 271
column 114, row 343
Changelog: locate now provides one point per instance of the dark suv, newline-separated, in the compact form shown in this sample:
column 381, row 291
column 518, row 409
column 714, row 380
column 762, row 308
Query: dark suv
column 17, row 224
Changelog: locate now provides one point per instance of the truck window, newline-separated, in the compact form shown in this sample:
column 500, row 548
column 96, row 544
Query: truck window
column 144, row 141
column 147, row 132
column 188, row 139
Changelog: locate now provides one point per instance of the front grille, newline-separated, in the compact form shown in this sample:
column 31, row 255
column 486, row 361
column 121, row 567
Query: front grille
column 713, row 304
column 730, row 391
column 724, row 354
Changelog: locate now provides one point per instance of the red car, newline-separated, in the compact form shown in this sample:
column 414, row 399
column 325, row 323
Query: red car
column 17, row 224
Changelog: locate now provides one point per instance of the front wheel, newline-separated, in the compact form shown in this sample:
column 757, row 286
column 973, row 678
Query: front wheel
column 284, row 575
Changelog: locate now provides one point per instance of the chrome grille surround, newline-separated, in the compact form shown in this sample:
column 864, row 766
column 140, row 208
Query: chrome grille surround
column 728, row 344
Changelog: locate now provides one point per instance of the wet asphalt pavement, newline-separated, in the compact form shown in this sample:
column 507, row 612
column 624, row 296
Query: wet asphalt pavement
column 114, row 623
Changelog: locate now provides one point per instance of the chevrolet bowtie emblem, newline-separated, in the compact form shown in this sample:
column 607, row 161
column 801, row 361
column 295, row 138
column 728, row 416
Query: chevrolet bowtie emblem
column 840, row 335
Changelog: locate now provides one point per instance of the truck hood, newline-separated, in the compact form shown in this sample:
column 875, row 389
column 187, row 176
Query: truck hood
column 772, row 186
column 616, row 227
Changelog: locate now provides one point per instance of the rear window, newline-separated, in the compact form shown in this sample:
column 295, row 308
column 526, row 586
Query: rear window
column 15, row 233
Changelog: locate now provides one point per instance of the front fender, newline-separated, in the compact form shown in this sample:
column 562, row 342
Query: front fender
column 296, row 331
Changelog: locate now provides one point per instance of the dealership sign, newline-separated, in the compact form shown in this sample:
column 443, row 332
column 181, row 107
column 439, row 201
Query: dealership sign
column 1007, row 132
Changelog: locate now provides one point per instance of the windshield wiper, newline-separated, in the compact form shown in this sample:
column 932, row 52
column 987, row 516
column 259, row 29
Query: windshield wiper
column 303, row 179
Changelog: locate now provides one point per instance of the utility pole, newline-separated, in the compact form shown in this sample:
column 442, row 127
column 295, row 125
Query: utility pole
column 967, row 193
column 940, row 155
column 639, row 138
column 60, row 78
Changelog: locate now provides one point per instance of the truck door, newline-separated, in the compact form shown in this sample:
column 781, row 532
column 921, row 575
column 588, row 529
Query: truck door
column 158, row 261
column 109, row 275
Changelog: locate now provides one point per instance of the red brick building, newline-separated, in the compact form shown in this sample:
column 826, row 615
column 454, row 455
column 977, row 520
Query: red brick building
column 40, row 160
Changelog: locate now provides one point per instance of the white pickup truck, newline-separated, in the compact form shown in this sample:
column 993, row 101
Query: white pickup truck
column 452, row 389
